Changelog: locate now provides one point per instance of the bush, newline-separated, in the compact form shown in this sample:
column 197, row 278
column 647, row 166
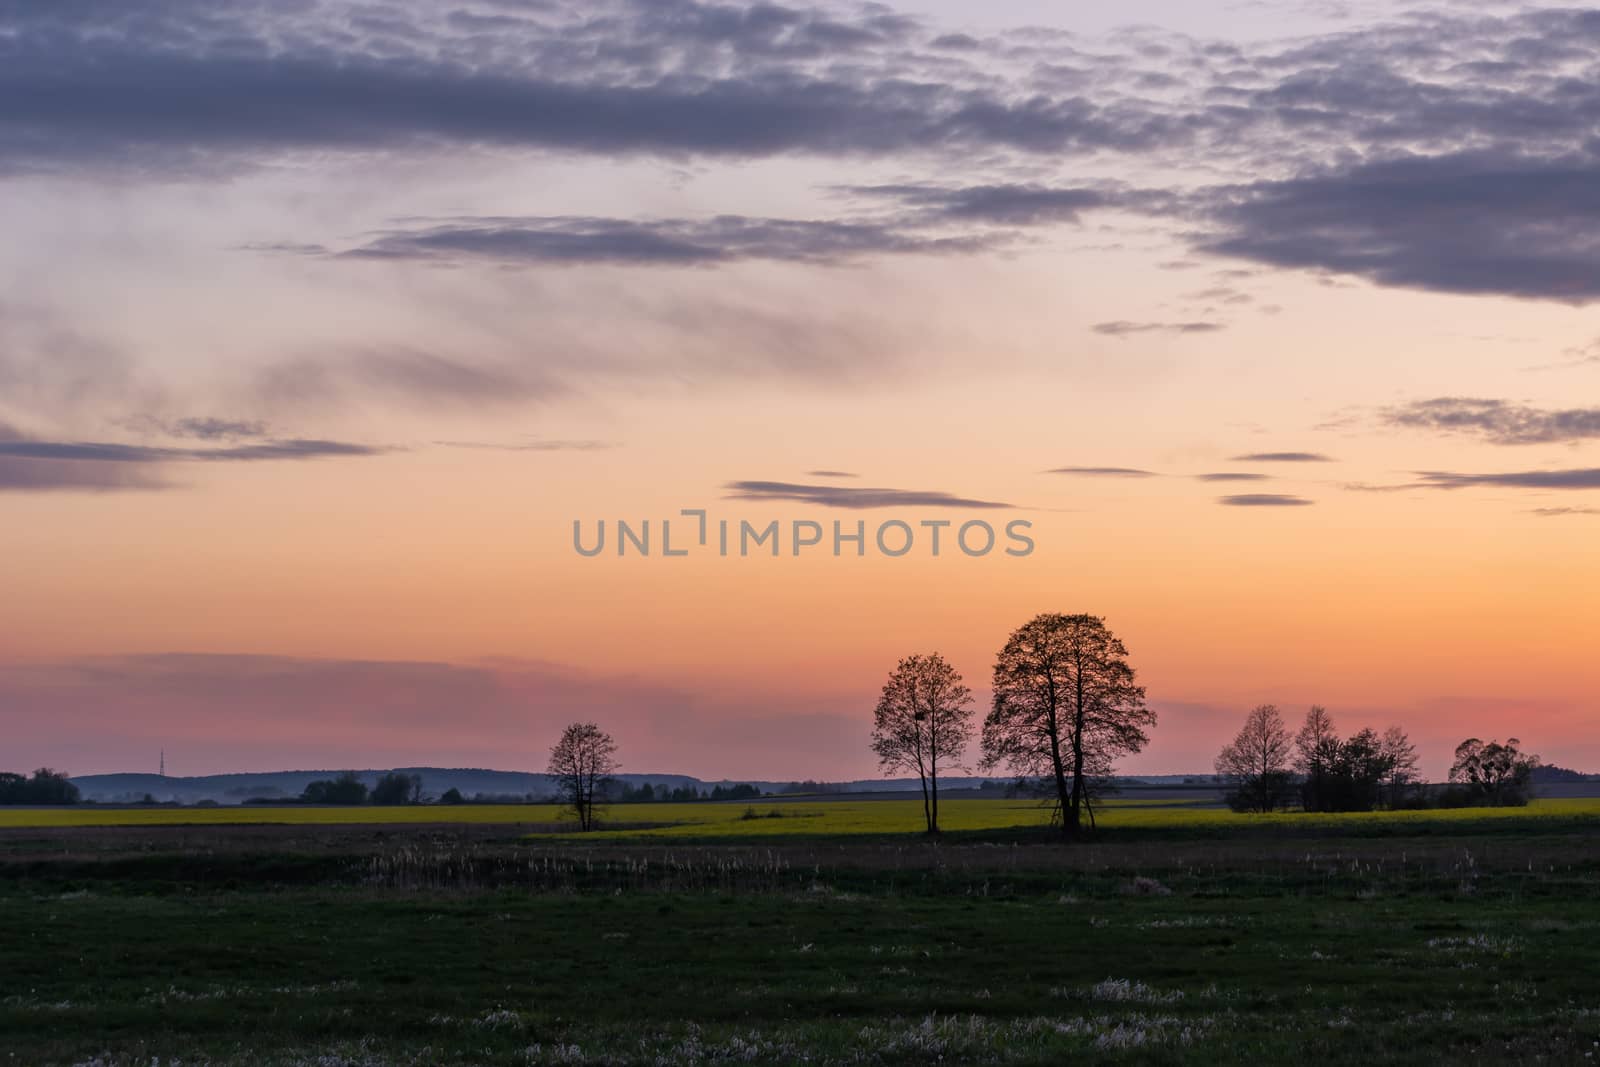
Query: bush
column 345, row 789
column 1262, row 792
column 396, row 788
column 45, row 787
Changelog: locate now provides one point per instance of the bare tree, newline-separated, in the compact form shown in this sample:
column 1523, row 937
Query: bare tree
column 580, row 762
column 1256, row 761
column 1065, row 707
column 1401, row 755
column 1316, row 751
column 923, row 720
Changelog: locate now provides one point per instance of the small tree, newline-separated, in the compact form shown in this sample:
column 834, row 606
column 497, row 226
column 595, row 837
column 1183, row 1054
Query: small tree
column 923, row 721
column 1359, row 772
column 1316, row 748
column 1065, row 707
column 348, row 788
column 397, row 788
column 452, row 796
column 1499, row 774
column 1402, row 757
column 580, row 763
column 1255, row 763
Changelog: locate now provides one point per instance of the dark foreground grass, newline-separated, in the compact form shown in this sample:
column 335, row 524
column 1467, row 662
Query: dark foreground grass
column 467, row 948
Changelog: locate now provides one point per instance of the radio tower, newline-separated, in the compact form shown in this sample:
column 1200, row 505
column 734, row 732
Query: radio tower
column 163, row 763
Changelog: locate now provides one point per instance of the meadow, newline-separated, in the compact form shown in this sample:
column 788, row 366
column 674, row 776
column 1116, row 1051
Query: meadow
column 784, row 818
column 1176, row 934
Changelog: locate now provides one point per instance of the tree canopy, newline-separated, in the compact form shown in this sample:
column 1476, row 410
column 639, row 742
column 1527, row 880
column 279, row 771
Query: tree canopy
column 580, row 762
column 923, row 721
column 1066, row 707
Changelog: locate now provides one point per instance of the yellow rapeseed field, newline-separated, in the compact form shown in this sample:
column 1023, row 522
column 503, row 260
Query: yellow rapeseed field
column 767, row 818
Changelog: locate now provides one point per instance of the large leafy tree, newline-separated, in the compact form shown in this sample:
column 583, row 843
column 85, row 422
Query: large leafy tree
column 580, row 762
column 1499, row 773
column 1066, row 706
column 923, row 721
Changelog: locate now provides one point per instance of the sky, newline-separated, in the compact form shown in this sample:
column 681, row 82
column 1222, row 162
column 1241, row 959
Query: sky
column 323, row 323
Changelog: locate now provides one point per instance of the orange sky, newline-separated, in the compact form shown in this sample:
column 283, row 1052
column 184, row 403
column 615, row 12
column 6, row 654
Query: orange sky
column 295, row 420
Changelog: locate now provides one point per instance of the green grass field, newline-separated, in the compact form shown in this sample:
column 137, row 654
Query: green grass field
column 835, row 934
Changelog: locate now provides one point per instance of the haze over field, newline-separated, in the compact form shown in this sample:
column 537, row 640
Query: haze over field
column 322, row 323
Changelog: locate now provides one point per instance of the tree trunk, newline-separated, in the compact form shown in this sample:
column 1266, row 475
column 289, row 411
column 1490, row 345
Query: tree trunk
column 927, row 812
column 1075, row 824
column 1062, row 796
column 933, row 791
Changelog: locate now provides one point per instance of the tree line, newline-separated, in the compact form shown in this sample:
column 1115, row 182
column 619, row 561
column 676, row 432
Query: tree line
column 1265, row 768
column 44, row 786
column 1065, row 707
column 646, row 793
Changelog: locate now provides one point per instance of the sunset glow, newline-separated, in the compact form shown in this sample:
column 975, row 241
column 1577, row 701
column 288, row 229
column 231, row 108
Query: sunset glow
column 1288, row 360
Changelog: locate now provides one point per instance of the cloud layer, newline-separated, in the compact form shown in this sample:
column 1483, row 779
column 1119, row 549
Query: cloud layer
column 1498, row 421
column 837, row 496
column 1442, row 151
column 28, row 463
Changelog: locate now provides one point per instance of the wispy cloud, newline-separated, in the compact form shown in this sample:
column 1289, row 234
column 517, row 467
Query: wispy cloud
column 1104, row 472
column 1552, row 512
column 31, row 464
column 1281, row 457
column 1232, row 476
column 200, row 428
column 1497, row 421
column 1125, row 328
column 832, row 474
column 563, row 240
column 1581, row 478
column 108, row 452
column 1264, row 500
column 412, row 376
column 834, row 496
column 533, row 446
column 1007, row 204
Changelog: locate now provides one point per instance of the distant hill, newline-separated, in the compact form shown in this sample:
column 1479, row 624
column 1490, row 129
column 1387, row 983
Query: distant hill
column 473, row 782
column 1550, row 773
column 287, row 785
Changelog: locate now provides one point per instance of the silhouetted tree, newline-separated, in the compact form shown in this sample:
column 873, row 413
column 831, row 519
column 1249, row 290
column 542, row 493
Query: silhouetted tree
column 1359, row 772
column 1255, row 763
column 452, row 796
column 1402, row 757
column 923, row 721
column 1352, row 774
column 1316, row 748
column 580, row 763
column 1497, row 773
column 44, row 787
column 397, row 788
column 348, row 788
column 1065, row 707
